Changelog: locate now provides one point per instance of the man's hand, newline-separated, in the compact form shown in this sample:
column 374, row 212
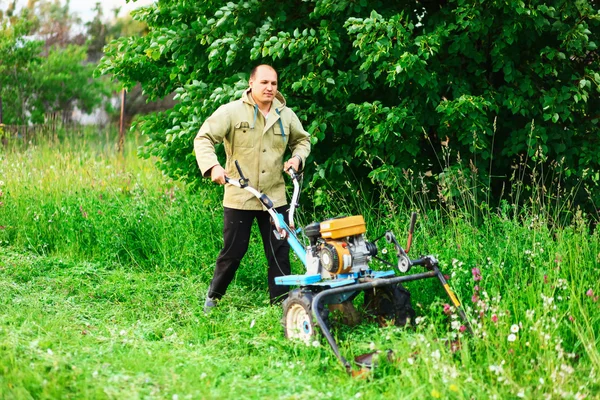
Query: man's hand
column 217, row 174
column 293, row 162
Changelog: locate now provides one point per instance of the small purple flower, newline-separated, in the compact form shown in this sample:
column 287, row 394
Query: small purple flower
column 476, row 274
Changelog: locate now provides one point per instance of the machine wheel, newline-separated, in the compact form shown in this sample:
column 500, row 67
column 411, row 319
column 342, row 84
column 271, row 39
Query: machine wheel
column 390, row 304
column 298, row 321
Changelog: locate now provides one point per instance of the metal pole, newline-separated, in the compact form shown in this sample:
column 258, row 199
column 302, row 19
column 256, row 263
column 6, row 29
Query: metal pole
column 122, row 123
column 351, row 288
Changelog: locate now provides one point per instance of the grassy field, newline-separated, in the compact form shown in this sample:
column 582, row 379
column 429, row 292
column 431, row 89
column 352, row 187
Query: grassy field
column 104, row 263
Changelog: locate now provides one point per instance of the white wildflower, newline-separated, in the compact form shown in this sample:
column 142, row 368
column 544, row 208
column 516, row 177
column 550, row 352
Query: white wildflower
column 512, row 337
column 514, row 328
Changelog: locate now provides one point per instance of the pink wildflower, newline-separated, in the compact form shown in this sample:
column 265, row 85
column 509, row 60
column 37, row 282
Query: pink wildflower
column 589, row 293
column 447, row 309
column 475, row 298
column 476, row 288
column 494, row 318
column 462, row 328
column 476, row 274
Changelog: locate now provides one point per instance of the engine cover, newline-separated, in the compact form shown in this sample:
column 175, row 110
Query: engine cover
column 335, row 257
column 343, row 227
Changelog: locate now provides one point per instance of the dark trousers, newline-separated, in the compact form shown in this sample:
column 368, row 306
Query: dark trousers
column 237, row 225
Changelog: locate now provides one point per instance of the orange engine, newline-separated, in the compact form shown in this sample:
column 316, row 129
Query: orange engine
column 341, row 246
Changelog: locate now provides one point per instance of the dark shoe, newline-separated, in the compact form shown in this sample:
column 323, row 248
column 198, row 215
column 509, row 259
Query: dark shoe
column 209, row 304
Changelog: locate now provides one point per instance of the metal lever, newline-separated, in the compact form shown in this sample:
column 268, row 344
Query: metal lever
column 411, row 228
column 243, row 180
column 404, row 263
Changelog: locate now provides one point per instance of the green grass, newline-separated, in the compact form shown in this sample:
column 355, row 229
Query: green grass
column 104, row 262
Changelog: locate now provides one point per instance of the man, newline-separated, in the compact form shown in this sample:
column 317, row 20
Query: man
column 255, row 130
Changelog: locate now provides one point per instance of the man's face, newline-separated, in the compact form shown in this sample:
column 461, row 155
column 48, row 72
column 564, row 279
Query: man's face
column 264, row 85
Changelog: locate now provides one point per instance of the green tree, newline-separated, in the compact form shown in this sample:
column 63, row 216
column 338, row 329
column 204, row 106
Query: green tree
column 18, row 57
column 58, row 82
column 42, row 69
column 379, row 84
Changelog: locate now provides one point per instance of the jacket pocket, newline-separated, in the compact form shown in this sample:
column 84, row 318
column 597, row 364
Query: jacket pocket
column 243, row 135
column 279, row 140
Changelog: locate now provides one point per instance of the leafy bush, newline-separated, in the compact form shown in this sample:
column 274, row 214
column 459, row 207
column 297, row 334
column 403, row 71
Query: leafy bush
column 380, row 84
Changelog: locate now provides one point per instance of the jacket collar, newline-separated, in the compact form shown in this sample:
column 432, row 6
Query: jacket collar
column 278, row 101
column 276, row 107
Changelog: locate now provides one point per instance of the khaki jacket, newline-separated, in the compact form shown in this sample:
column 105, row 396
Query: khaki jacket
column 258, row 144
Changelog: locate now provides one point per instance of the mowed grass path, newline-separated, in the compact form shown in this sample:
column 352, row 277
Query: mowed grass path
column 104, row 262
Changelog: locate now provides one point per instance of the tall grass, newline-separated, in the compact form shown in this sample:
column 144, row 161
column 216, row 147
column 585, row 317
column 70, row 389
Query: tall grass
column 104, row 263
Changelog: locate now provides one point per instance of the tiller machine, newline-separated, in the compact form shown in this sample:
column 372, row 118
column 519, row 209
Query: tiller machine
column 337, row 270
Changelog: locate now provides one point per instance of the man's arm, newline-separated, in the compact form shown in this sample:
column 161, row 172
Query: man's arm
column 299, row 144
column 212, row 132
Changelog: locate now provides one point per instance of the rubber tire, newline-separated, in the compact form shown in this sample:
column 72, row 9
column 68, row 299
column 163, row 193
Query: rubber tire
column 390, row 304
column 298, row 321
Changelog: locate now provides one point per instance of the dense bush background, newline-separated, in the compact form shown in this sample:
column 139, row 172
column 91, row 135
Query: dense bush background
column 384, row 86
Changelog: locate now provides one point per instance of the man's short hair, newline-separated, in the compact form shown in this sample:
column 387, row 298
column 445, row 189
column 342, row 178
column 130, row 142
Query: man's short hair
column 253, row 72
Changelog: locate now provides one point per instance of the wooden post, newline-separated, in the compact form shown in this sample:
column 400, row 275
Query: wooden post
column 122, row 123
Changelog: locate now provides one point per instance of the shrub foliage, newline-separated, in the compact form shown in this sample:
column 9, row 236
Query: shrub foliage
column 380, row 84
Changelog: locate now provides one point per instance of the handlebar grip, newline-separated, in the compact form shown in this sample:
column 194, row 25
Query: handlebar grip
column 293, row 173
column 237, row 165
column 413, row 220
